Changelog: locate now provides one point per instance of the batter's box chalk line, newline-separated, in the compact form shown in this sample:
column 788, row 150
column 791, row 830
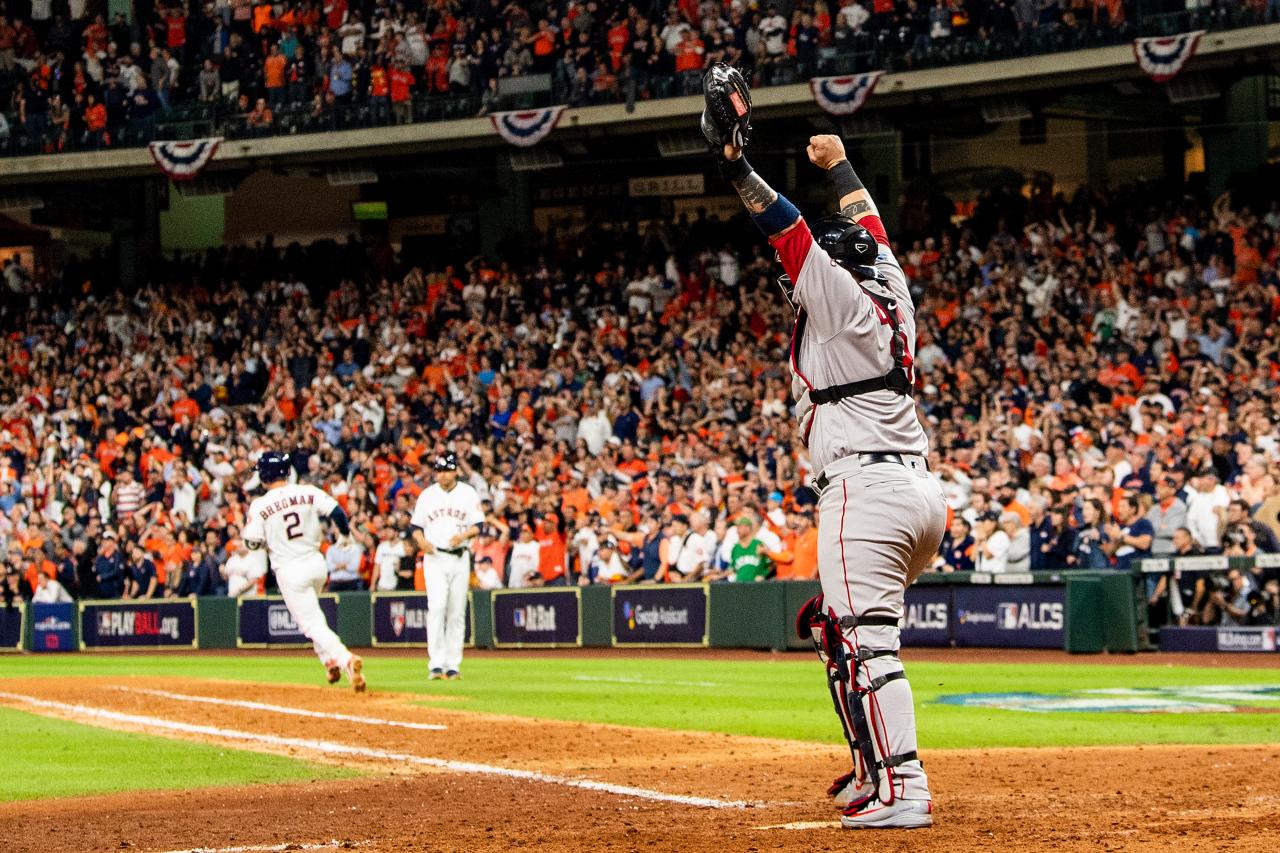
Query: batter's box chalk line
column 283, row 709
column 333, row 748
column 271, row 848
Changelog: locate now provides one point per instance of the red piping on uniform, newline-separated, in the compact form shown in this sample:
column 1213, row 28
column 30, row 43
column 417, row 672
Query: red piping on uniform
column 844, row 503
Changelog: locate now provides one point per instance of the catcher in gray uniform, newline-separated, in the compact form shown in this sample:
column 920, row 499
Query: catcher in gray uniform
column 881, row 514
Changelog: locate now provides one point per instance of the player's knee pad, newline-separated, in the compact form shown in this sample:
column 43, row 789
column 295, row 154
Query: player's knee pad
column 876, row 696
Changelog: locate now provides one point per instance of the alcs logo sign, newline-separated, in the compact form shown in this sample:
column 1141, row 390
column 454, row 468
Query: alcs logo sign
column 1044, row 616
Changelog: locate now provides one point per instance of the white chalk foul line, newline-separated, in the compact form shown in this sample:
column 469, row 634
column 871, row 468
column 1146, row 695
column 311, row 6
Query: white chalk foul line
column 332, row 748
column 282, row 709
column 271, row 848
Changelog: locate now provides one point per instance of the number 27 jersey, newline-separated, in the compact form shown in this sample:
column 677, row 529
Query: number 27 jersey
column 291, row 520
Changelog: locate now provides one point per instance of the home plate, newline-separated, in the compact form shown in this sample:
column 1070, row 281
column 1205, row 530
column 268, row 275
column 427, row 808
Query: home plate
column 805, row 824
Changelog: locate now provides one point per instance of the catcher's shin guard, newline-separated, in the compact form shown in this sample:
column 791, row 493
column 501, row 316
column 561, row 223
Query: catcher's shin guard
column 873, row 700
column 881, row 708
column 817, row 624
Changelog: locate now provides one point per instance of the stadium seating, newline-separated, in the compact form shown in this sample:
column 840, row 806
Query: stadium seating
column 621, row 62
column 1082, row 365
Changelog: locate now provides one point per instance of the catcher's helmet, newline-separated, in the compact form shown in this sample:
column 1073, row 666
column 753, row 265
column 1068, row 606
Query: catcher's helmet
column 845, row 241
column 274, row 465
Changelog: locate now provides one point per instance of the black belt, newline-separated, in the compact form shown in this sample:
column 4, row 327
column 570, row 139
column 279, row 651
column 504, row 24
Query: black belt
column 457, row 552
column 867, row 459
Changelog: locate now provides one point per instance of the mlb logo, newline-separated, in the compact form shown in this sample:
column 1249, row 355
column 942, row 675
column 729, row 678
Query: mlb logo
column 517, row 617
column 1007, row 616
column 104, row 622
column 397, row 617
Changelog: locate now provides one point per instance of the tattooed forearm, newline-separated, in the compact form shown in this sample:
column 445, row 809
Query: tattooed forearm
column 756, row 194
column 855, row 209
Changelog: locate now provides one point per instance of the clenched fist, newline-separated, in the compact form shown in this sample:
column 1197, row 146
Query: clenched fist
column 825, row 150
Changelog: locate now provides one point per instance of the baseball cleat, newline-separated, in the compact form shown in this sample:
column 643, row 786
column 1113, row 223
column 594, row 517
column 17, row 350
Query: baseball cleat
column 335, row 674
column 436, row 675
column 847, row 791
column 900, row 814
column 453, row 675
column 355, row 671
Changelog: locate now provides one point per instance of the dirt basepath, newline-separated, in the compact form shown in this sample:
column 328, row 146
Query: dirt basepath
column 1091, row 799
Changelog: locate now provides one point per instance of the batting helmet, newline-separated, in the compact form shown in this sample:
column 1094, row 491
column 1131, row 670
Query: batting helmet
column 845, row 241
column 446, row 462
column 274, row 465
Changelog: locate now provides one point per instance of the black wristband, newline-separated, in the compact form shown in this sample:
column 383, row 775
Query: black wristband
column 734, row 170
column 844, row 179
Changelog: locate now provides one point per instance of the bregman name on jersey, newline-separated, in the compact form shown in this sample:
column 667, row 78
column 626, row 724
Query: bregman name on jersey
column 285, row 503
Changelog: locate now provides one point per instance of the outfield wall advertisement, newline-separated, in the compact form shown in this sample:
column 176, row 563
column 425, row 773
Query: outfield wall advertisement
column 168, row 624
column 1011, row 616
column 52, row 627
column 400, row 619
column 267, row 623
column 1219, row 639
column 926, row 618
column 537, row 617
column 673, row 615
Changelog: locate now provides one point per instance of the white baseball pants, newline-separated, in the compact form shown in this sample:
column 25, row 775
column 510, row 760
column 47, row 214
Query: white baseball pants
column 448, row 577
column 300, row 585
column 879, row 527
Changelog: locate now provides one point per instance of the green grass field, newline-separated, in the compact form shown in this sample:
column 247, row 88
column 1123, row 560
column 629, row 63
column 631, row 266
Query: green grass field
column 767, row 698
column 44, row 757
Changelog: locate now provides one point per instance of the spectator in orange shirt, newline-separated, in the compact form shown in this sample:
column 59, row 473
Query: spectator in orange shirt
column 803, row 564
column 689, row 55
column 273, row 77
column 401, row 84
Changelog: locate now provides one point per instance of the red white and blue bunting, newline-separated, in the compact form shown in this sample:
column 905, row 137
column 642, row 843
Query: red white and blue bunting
column 527, row 127
column 182, row 161
column 843, row 96
column 1164, row 57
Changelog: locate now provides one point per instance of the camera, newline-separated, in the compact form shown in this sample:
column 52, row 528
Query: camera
column 1219, row 583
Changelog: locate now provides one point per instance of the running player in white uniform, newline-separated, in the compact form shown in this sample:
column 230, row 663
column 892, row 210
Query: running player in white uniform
column 881, row 515
column 289, row 520
column 446, row 518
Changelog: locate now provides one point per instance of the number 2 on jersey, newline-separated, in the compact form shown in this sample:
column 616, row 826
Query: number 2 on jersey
column 294, row 528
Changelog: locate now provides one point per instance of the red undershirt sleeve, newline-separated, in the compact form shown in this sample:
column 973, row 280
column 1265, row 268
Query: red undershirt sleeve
column 793, row 247
column 873, row 224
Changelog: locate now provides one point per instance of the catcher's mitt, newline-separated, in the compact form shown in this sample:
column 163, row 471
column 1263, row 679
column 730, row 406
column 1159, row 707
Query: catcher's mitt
column 726, row 118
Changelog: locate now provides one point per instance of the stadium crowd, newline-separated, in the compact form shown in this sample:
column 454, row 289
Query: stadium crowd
column 1097, row 374
column 75, row 77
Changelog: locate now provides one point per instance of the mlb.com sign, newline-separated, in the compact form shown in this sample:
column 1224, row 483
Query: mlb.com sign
column 280, row 622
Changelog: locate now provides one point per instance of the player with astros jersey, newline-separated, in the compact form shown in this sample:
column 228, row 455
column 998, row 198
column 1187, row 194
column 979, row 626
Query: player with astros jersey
column 880, row 513
column 446, row 517
column 288, row 522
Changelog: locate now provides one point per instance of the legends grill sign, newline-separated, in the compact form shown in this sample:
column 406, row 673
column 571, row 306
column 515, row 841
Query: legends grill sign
column 672, row 615
column 268, row 622
column 162, row 624
column 549, row 617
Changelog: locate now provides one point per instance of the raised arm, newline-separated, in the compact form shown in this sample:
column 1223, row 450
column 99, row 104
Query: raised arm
column 770, row 211
column 826, row 151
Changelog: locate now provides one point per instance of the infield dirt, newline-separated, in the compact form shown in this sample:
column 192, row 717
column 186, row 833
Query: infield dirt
column 1080, row 799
